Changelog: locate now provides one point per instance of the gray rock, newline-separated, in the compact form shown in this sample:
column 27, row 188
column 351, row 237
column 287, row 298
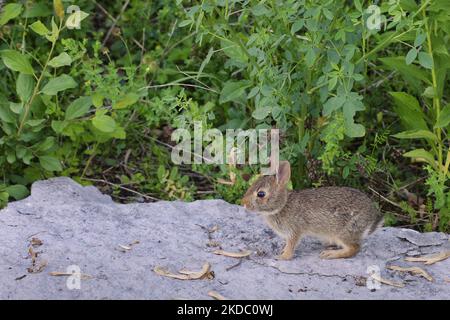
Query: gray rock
column 82, row 227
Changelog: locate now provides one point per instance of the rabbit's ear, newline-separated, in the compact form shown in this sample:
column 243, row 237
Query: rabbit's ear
column 283, row 173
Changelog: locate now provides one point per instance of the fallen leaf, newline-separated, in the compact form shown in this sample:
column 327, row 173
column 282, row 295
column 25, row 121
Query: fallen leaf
column 33, row 255
column 228, row 183
column 36, row 242
column 213, row 229
column 205, row 273
column 385, row 281
column 414, row 270
column 36, row 268
column 241, row 254
column 67, row 274
column 125, row 248
column 216, row 295
column 430, row 259
column 213, row 244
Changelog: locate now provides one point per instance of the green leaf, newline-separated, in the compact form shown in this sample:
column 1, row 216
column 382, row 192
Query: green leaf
column 39, row 28
column 58, row 84
column 354, row 130
column 232, row 90
column 350, row 107
column 16, row 61
column 409, row 71
column 17, row 191
column 10, row 11
column 261, row 113
column 16, row 107
column 61, row 60
column 310, row 57
column 416, row 134
column 429, row 92
column 444, row 117
column 297, row 25
column 97, row 99
column 205, row 62
column 78, row 108
column 126, row 101
column 35, row 122
column 59, row 126
column 411, row 56
column 333, row 104
column 425, row 60
column 37, row 10
column 25, row 86
column 73, row 21
column 234, row 51
column 408, row 109
column 421, row 155
column 53, row 36
column 50, row 163
column 6, row 115
column 46, row 145
column 104, row 123
column 420, row 38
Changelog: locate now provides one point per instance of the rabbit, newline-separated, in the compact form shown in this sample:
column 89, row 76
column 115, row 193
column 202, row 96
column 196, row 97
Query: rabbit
column 339, row 215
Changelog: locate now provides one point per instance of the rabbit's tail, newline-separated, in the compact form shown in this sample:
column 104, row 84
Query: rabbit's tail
column 377, row 224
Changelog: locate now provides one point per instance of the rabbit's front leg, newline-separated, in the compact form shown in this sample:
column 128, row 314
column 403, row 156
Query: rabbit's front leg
column 289, row 248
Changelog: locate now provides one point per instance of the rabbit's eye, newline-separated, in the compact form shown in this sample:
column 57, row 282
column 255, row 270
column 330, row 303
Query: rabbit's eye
column 261, row 194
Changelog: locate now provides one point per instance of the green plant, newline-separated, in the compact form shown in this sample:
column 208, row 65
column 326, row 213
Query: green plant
column 426, row 120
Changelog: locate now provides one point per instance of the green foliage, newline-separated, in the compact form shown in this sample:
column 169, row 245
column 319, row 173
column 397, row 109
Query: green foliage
column 355, row 105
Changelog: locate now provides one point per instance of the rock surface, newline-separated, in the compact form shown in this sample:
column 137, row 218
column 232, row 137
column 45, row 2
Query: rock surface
column 82, row 227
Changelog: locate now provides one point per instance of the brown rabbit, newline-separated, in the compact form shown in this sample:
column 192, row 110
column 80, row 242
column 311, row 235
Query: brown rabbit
column 338, row 215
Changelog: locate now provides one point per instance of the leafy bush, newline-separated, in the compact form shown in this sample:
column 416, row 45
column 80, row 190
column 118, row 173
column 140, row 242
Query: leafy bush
column 357, row 105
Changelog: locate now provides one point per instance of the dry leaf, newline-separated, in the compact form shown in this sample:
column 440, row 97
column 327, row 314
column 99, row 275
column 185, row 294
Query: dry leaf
column 414, row 270
column 205, row 273
column 125, row 248
column 33, row 255
column 213, row 244
column 241, row 254
column 36, row 242
column 213, row 229
column 66, row 274
column 222, row 181
column 37, row 268
column 430, row 259
column 385, row 281
column 216, row 295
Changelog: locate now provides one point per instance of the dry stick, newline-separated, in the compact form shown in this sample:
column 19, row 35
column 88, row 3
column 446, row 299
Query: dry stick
column 391, row 202
column 104, row 10
column 123, row 188
column 108, row 34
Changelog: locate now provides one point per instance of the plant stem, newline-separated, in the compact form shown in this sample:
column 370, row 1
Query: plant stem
column 36, row 88
column 436, row 100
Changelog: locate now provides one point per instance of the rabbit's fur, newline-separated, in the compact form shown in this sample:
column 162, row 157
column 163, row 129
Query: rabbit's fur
column 339, row 215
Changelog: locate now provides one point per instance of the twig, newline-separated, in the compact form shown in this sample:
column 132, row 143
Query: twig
column 234, row 265
column 108, row 34
column 121, row 187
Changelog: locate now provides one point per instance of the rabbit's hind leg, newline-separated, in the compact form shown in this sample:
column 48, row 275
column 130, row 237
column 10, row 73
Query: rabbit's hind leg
column 348, row 250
